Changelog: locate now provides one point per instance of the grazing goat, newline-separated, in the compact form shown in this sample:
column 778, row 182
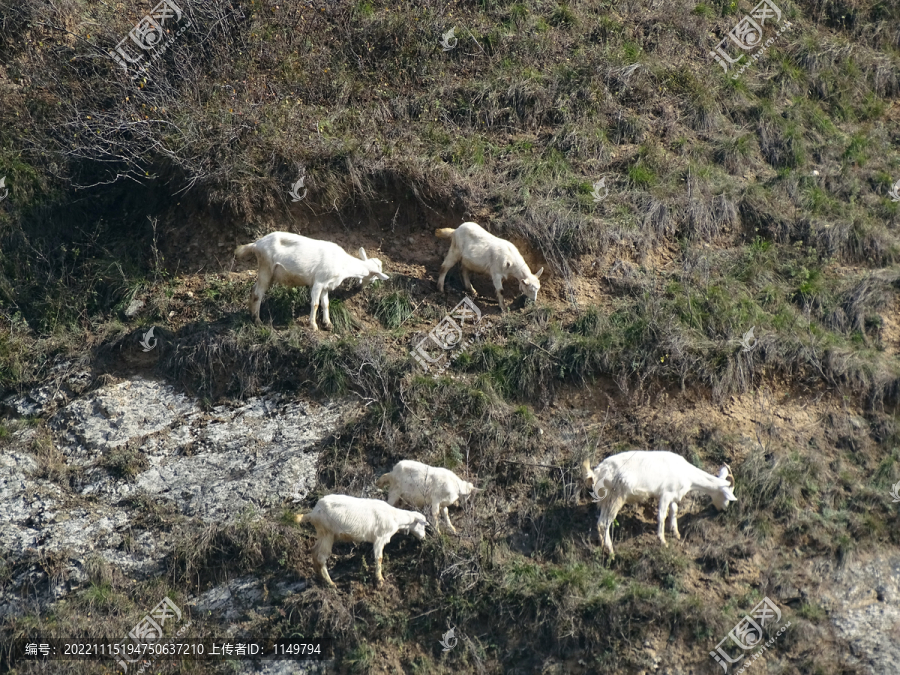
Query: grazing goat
column 291, row 260
column 480, row 251
column 343, row 518
column 634, row 476
column 421, row 485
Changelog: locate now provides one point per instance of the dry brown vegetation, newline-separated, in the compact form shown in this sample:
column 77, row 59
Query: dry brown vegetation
column 715, row 222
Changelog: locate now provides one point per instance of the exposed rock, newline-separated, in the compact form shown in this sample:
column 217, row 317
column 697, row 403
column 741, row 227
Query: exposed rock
column 135, row 306
column 69, row 381
column 863, row 600
column 213, row 464
column 233, row 599
column 139, row 441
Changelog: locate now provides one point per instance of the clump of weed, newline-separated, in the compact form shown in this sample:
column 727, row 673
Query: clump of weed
column 341, row 319
column 392, row 309
column 124, row 462
column 243, row 546
column 52, row 464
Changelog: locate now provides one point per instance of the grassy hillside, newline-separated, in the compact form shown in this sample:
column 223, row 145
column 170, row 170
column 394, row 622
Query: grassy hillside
column 758, row 201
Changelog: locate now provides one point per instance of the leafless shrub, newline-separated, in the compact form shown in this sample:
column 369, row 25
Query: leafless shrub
column 725, row 213
column 866, row 298
column 322, row 611
column 627, row 129
column 781, row 144
column 703, row 114
column 885, row 82
column 734, row 153
column 821, row 54
column 241, row 547
column 760, row 219
column 658, row 220
column 698, row 217
column 850, row 241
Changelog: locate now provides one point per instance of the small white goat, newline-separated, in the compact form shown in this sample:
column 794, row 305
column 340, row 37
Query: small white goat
column 291, row 260
column 480, row 251
column 634, row 476
column 344, row 518
column 421, row 485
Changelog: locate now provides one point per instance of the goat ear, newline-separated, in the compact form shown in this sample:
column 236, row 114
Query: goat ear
column 362, row 253
column 539, row 273
column 382, row 276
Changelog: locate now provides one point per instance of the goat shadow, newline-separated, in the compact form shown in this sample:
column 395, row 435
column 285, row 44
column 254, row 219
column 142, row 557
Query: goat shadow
column 356, row 561
column 486, row 298
column 558, row 525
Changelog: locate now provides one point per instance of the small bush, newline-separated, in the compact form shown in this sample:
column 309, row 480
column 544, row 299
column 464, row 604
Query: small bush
column 392, row 309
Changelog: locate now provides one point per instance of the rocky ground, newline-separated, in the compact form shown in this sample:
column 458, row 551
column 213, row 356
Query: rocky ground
column 79, row 492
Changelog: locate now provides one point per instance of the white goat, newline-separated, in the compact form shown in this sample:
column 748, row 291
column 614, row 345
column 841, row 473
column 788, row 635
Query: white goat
column 634, row 476
column 343, row 518
column 421, row 485
column 480, row 251
column 291, row 260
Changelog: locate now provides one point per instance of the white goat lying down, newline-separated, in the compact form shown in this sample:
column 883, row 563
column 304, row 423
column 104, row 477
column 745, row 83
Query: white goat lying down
column 291, row 260
column 343, row 518
column 482, row 252
column 421, row 485
column 637, row 475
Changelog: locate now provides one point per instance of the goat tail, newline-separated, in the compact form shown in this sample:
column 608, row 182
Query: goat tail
column 245, row 251
column 444, row 232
